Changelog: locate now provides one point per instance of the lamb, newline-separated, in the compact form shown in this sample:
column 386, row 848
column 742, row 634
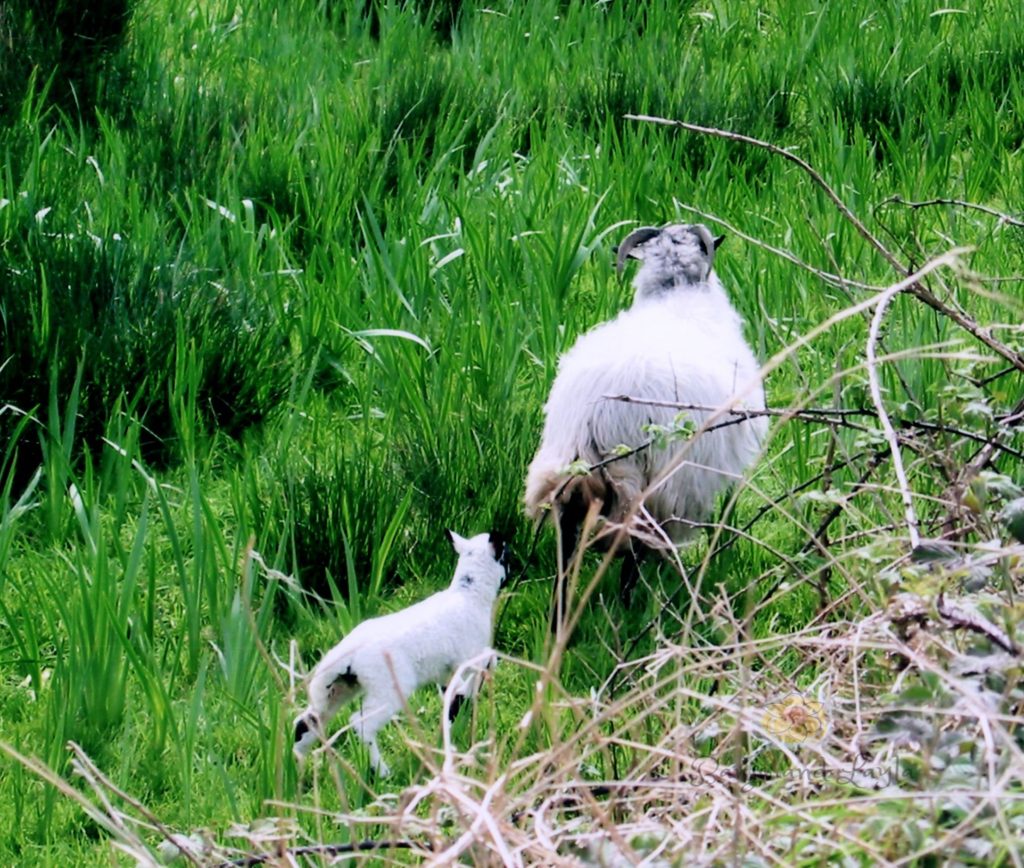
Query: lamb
column 681, row 341
column 385, row 659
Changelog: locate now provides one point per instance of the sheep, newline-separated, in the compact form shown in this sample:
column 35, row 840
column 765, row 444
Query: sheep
column 385, row 659
column 681, row 341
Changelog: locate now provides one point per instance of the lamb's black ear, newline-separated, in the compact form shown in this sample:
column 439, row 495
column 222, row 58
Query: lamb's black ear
column 499, row 546
column 718, row 241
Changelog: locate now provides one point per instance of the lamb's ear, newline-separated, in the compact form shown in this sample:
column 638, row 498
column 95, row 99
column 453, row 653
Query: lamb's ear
column 458, row 542
column 718, row 241
column 498, row 545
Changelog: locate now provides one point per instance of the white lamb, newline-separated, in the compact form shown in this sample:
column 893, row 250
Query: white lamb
column 681, row 341
column 385, row 659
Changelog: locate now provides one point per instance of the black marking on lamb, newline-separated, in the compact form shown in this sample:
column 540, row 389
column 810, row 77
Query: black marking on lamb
column 466, row 581
column 301, row 728
column 348, row 676
column 453, row 709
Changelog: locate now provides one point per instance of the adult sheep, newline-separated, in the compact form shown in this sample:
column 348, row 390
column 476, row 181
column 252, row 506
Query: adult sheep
column 681, row 341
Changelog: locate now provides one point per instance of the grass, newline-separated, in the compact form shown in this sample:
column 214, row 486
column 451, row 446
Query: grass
column 283, row 293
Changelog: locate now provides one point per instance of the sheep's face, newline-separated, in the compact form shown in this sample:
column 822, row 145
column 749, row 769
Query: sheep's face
column 677, row 256
column 481, row 560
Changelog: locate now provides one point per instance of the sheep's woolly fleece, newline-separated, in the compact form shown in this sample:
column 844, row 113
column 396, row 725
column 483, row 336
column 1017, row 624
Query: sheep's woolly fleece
column 681, row 341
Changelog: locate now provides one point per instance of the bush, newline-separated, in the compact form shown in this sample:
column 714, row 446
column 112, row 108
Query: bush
column 73, row 43
column 143, row 322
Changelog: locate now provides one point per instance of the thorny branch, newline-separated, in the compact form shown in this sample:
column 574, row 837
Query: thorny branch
column 370, row 846
column 918, row 610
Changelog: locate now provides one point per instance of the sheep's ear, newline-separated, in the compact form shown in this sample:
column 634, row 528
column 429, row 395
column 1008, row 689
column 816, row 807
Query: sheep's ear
column 458, row 542
column 718, row 241
column 625, row 250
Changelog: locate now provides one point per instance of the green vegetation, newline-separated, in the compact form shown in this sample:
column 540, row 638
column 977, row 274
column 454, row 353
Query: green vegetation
column 283, row 287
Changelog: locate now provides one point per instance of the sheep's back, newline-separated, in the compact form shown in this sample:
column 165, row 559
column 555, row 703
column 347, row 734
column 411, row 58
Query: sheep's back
column 688, row 353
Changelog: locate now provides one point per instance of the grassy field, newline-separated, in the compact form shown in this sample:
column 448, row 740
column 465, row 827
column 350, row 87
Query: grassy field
column 283, row 290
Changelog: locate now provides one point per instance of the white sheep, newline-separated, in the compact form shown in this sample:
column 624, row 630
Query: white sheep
column 385, row 659
column 681, row 341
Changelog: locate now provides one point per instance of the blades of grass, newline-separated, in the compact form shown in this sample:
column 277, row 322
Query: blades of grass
column 57, row 442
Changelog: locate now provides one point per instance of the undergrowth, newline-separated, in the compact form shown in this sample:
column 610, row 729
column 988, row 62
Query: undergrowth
column 283, row 291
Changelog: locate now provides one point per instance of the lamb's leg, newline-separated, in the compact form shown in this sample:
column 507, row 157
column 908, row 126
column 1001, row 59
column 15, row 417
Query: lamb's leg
column 468, row 684
column 378, row 708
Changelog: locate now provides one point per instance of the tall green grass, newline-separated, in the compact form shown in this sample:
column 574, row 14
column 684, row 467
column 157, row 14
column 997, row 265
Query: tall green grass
column 298, row 278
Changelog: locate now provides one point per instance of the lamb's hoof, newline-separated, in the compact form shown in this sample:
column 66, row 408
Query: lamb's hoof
column 456, row 704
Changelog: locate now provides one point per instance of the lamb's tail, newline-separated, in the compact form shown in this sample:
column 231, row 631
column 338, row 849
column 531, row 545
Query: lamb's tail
column 333, row 684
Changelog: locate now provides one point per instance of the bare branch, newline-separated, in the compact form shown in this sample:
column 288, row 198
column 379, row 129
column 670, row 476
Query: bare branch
column 973, row 206
column 834, row 416
column 916, row 288
column 883, row 417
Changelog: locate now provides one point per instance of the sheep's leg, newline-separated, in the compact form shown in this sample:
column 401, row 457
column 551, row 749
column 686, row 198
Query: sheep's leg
column 629, row 572
column 377, row 710
column 571, row 514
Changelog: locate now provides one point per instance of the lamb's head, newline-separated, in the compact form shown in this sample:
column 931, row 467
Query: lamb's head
column 676, row 256
column 481, row 565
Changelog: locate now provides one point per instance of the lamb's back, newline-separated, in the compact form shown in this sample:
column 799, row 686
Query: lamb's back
column 421, row 642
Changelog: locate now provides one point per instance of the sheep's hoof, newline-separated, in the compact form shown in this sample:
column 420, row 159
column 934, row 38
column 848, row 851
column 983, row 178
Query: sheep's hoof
column 629, row 575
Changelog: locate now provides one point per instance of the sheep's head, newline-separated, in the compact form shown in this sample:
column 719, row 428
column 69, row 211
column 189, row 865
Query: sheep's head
column 676, row 255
